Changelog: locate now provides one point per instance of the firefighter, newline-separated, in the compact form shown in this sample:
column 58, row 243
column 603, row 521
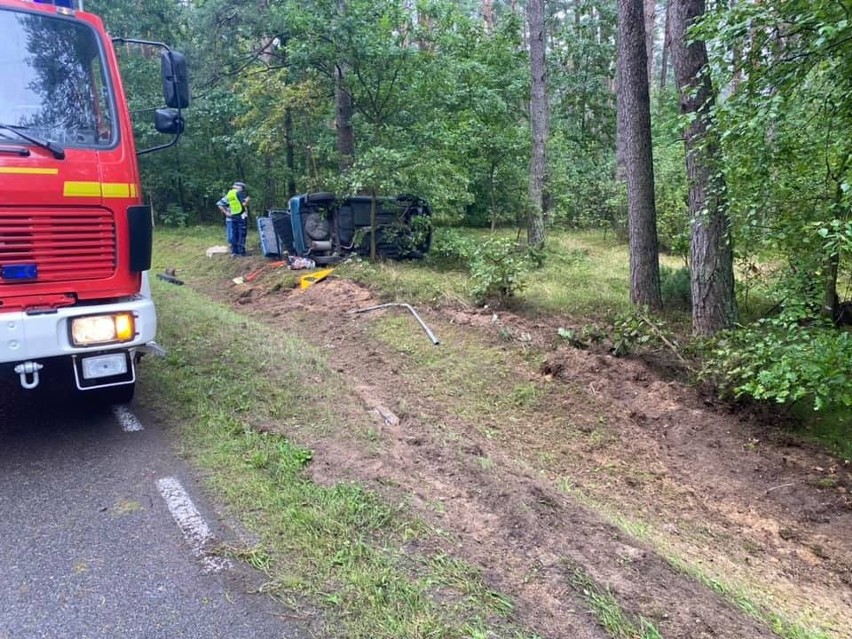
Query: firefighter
column 236, row 210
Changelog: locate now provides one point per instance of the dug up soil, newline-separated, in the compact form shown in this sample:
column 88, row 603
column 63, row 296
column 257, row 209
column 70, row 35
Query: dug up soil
column 706, row 521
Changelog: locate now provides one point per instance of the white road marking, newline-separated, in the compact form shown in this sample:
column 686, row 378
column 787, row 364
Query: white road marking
column 126, row 419
column 192, row 525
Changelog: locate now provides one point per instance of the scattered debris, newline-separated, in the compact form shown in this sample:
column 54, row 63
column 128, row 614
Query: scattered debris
column 250, row 277
column 217, row 250
column 298, row 263
column 312, row 278
column 253, row 275
column 410, row 308
column 169, row 276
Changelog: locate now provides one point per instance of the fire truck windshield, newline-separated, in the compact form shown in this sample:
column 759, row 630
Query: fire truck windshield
column 54, row 84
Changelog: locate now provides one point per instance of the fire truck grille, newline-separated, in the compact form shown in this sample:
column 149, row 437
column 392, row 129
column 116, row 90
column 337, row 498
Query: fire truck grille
column 63, row 244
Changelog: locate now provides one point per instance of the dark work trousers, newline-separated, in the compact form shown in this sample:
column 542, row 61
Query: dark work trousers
column 237, row 230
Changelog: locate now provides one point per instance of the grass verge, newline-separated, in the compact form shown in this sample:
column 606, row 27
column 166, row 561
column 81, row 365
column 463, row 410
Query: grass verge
column 605, row 608
column 480, row 382
column 337, row 548
column 756, row 605
column 495, row 401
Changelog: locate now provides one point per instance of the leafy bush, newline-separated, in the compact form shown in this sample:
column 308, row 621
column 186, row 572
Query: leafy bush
column 496, row 265
column 639, row 329
column 450, row 248
column 174, row 215
column 782, row 360
column 496, row 269
column 676, row 288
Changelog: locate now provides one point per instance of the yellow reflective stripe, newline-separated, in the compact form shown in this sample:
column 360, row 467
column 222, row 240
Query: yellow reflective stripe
column 82, row 189
column 27, row 170
column 116, row 189
column 96, row 189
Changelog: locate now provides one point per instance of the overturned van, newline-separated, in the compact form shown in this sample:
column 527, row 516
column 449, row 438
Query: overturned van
column 326, row 228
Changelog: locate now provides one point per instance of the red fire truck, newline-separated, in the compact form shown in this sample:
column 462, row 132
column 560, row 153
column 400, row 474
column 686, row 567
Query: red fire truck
column 75, row 236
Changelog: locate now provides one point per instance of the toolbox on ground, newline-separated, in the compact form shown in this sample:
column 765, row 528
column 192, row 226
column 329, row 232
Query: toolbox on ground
column 269, row 244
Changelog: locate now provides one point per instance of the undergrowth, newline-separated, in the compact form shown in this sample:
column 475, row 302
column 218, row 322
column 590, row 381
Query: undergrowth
column 340, row 548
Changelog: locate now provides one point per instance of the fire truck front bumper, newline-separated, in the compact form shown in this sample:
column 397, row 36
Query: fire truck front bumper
column 100, row 339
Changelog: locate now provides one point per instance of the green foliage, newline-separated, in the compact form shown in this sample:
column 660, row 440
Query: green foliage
column 496, row 265
column 173, row 215
column 670, row 184
column 586, row 336
column 783, row 360
column 639, row 329
column 439, row 105
column 451, row 248
column 787, row 170
column 676, row 288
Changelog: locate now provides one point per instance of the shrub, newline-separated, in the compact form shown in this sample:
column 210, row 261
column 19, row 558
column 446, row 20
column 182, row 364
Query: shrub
column 174, row 215
column 496, row 265
column 676, row 288
column 496, row 269
column 783, row 360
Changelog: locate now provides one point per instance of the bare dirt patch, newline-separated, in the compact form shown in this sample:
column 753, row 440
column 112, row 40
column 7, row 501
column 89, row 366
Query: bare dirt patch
column 611, row 443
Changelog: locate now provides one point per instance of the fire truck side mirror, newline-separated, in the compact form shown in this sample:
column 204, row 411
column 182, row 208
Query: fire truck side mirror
column 175, row 79
column 168, row 121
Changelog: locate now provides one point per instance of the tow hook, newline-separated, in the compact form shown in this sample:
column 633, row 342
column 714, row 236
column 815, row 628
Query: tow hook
column 29, row 374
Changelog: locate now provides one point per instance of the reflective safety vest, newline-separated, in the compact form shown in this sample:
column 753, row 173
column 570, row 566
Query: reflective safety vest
column 234, row 203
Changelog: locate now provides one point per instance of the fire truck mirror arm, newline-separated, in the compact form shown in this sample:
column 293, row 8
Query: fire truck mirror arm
column 175, row 91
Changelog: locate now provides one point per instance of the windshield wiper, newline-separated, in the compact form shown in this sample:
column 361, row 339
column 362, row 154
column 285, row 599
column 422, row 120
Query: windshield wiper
column 57, row 151
column 16, row 150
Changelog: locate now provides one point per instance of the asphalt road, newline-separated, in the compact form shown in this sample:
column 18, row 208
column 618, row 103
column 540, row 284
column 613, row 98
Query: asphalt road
column 104, row 532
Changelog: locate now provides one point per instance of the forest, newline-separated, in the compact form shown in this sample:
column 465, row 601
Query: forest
column 711, row 131
column 636, row 422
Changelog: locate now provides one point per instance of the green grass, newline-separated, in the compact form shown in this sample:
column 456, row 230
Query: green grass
column 609, row 614
column 470, row 378
column 752, row 603
column 228, row 382
column 585, row 277
column 585, row 274
column 831, row 430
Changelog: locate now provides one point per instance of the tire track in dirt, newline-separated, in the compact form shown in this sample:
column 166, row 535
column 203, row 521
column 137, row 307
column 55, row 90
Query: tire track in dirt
column 526, row 536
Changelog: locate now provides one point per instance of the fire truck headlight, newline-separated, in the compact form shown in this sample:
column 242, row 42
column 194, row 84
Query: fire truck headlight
column 102, row 329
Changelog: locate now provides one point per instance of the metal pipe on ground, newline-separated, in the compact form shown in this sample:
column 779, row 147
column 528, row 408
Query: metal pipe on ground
column 431, row 335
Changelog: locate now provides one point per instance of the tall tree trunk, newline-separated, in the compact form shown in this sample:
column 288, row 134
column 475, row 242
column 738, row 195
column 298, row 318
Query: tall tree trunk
column 620, row 151
column 634, row 124
column 664, row 56
column 650, row 14
column 538, row 125
column 343, row 121
column 831, row 299
column 343, row 111
column 488, row 15
column 711, row 252
column 290, row 153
